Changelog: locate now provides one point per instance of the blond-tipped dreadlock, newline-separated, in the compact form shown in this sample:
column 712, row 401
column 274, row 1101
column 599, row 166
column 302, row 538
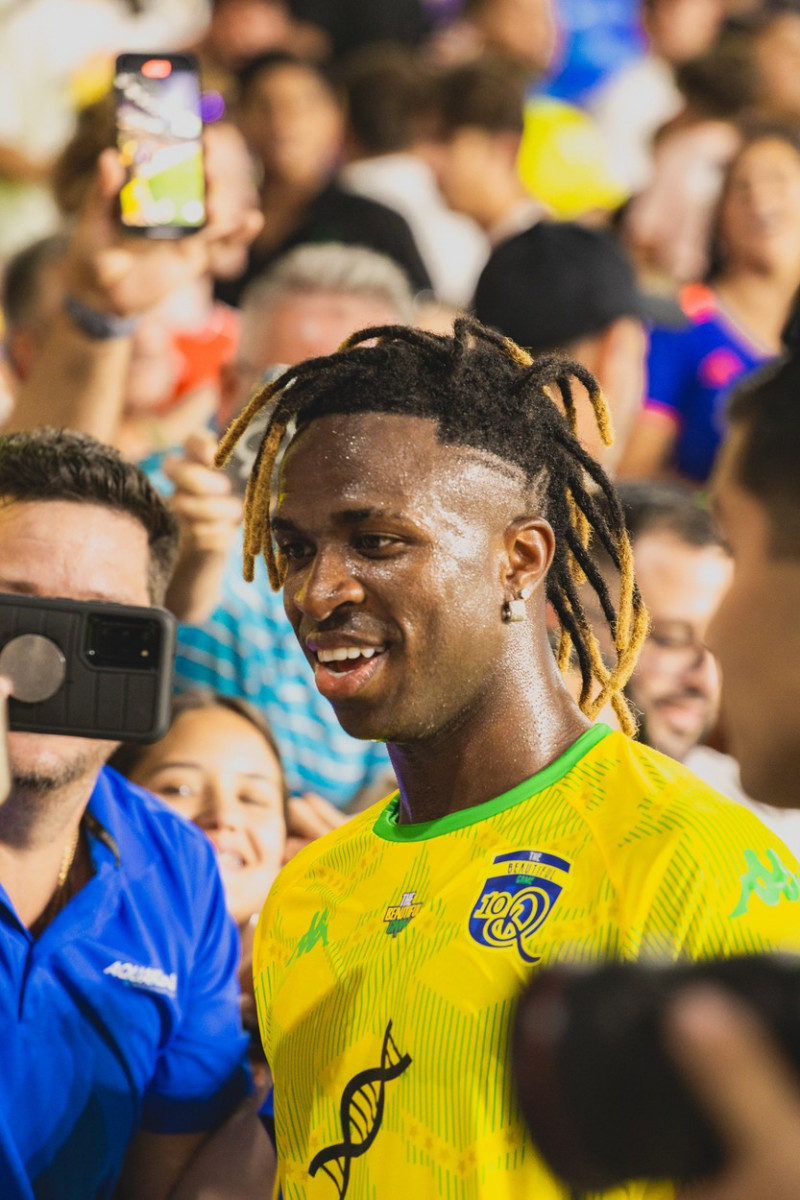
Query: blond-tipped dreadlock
column 486, row 392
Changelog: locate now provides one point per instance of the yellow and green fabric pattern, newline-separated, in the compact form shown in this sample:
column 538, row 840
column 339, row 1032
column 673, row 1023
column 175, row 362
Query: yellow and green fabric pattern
column 389, row 959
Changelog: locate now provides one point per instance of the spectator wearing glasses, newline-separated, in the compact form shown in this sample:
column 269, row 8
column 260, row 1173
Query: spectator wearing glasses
column 684, row 569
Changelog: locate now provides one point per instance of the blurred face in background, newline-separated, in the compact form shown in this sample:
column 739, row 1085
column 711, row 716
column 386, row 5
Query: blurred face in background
column 468, row 162
column 297, row 326
column 293, row 123
column 778, row 58
column 759, row 215
column 240, row 30
column 756, row 634
column 676, row 684
column 217, row 769
column 524, row 29
column 682, row 29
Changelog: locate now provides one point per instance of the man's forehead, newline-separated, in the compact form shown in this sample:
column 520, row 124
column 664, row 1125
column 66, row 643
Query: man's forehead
column 398, row 453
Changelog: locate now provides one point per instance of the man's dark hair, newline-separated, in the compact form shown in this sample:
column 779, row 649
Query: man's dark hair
column 488, row 94
column 58, row 464
column 273, row 60
column 388, row 94
column 766, row 406
column 24, row 276
column 483, row 392
column 659, row 507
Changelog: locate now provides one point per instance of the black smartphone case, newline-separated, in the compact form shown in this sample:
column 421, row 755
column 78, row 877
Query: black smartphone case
column 117, row 667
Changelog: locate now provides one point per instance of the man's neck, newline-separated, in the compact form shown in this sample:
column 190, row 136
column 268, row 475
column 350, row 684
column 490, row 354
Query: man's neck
column 486, row 754
column 36, row 842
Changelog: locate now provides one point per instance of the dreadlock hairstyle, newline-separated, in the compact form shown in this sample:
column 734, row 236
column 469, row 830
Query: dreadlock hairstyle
column 487, row 393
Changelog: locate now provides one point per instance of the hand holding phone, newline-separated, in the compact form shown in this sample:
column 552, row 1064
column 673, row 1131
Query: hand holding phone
column 159, row 136
column 87, row 669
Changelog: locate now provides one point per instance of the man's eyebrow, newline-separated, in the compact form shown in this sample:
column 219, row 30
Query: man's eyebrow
column 345, row 516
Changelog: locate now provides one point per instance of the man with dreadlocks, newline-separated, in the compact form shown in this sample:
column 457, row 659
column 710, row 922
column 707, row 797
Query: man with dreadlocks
column 432, row 499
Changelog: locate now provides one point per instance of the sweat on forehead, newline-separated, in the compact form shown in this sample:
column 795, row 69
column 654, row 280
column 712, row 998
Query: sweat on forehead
column 381, row 463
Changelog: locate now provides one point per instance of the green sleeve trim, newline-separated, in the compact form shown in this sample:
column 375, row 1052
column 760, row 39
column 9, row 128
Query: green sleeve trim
column 388, row 827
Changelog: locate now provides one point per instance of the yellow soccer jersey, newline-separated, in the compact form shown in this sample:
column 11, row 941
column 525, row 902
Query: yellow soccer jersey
column 389, row 958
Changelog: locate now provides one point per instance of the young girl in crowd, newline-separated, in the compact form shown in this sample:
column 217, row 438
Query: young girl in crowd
column 219, row 766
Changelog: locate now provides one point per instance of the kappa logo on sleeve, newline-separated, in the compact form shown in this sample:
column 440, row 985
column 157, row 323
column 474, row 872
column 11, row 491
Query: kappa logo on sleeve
column 770, row 884
column 317, row 932
column 517, row 900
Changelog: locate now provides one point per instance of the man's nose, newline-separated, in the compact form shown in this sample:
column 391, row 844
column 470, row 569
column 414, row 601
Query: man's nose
column 219, row 806
column 329, row 582
column 703, row 674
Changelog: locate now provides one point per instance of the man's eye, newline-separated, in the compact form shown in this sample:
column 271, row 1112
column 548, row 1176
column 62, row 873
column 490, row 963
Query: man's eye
column 293, row 551
column 372, row 543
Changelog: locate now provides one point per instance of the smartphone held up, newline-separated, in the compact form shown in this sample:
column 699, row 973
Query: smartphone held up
column 86, row 668
column 159, row 137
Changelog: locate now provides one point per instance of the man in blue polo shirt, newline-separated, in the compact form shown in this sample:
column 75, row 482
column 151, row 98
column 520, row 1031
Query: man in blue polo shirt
column 122, row 1045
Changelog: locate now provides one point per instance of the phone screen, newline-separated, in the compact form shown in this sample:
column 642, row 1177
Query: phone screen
column 159, row 131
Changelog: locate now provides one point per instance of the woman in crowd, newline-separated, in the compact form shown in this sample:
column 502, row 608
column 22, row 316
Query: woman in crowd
column 734, row 320
column 292, row 117
column 220, row 767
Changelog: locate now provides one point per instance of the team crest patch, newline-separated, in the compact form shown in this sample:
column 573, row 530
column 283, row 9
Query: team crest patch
column 517, row 900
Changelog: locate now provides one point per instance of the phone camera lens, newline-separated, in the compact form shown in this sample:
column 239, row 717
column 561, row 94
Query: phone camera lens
column 123, row 643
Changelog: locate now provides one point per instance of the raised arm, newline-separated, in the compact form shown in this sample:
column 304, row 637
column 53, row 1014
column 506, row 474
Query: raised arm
column 79, row 379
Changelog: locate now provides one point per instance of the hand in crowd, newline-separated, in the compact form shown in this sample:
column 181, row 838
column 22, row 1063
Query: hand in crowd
column 748, row 1090
column 112, row 271
column 310, row 817
column 209, row 515
column 241, row 1140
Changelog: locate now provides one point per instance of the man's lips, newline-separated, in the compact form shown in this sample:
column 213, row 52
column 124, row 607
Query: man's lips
column 340, row 671
column 684, row 714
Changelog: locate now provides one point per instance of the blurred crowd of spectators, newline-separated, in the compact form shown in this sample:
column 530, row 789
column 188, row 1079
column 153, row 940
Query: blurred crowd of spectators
column 625, row 191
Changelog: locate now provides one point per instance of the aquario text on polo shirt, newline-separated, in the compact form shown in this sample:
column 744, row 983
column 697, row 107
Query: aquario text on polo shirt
column 125, row 1011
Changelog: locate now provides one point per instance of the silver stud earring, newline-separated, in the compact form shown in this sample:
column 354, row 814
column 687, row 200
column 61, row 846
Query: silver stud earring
column 514, row 610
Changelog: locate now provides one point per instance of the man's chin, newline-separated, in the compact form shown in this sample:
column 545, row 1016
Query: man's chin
column 43, row 780
column 41, row 765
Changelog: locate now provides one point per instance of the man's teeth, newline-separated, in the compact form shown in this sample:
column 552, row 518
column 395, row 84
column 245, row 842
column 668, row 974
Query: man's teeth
column 343, row 652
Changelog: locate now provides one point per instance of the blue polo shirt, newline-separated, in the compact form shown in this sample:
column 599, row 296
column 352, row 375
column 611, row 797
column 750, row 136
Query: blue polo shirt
column 125, row 1011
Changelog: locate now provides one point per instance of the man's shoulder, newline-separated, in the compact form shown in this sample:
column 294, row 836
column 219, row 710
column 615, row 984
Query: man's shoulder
column 639, row 784
column 319, row 853
column 148, row 832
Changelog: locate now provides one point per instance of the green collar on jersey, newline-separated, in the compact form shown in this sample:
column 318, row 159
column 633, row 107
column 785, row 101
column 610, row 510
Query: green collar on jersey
column 388, row 827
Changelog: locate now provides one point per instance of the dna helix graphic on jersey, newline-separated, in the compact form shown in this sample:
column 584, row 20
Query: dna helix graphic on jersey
column 517, row 900
column 360, row 1115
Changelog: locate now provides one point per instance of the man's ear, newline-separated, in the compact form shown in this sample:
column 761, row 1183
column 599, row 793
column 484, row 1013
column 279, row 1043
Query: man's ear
column 530, row 548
